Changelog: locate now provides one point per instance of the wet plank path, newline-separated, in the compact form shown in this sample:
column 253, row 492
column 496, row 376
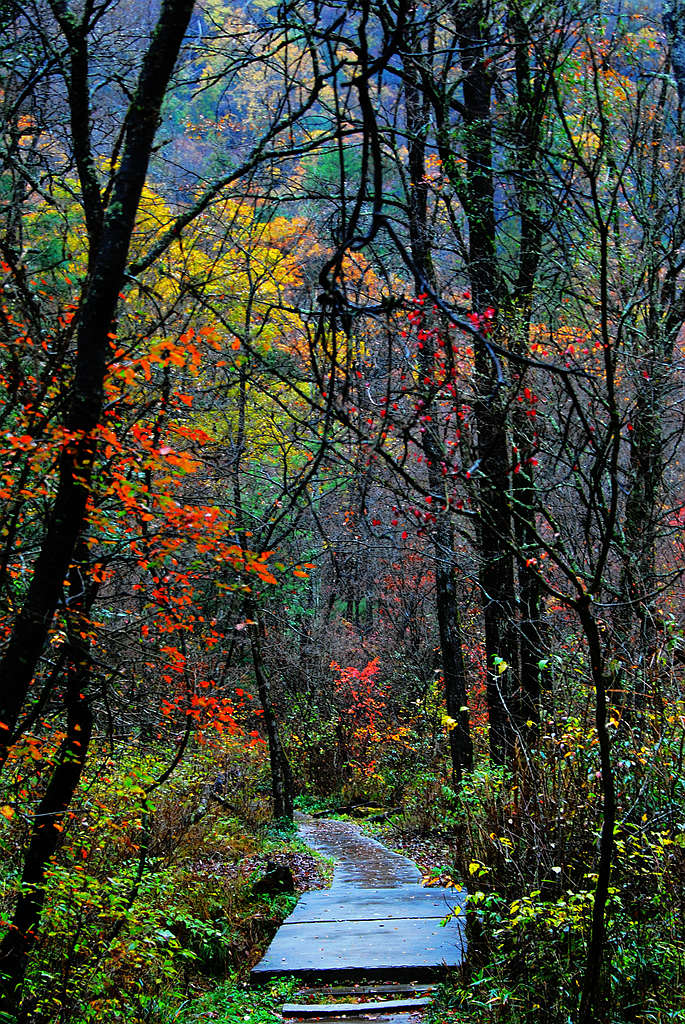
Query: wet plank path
column 376, row 920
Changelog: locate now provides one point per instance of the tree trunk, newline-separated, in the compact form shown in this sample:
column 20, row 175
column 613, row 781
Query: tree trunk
column 495, row 532
column 281, row 775
column 638, row 578
column 673, row 16
column 449, row 624
column 524, row 503
column 452, row 654
column 596, row 953
column 26, row 643
column 526, row 131
column 48, row 824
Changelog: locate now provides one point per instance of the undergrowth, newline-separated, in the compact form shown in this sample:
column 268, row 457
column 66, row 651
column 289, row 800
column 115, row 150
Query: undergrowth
column 525, row 845
column 149, row 898
column 232, row 1002
column 171, row 935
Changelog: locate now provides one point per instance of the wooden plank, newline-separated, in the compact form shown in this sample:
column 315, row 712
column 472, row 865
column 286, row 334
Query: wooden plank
column 322, row 1010
column 370, row 904
column 403, row 1017
column 361, row 990
column 375, row 923
column 351, row 975
column 410, row 946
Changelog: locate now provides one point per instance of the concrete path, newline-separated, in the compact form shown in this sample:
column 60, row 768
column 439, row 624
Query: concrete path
column 376, row 920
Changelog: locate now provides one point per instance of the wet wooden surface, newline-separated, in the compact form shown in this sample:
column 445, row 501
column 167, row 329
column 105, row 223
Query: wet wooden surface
column 407, row 901
column 375, row 920
column 320, row 1011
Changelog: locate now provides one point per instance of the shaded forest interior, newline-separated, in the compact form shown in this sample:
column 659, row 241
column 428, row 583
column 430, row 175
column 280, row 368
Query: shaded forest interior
column 341, row 422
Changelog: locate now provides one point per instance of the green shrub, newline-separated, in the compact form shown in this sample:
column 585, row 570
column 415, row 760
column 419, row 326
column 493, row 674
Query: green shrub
column 148, row 895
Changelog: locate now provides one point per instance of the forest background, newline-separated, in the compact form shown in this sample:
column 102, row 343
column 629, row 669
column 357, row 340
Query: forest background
column 341, row 421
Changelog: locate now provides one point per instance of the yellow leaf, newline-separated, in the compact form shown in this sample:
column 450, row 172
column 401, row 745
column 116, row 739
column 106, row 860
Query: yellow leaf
column 7, row 812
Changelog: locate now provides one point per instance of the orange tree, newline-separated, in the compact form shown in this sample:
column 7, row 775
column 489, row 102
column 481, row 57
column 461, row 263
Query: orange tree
column 96, row 503
column 109, row 222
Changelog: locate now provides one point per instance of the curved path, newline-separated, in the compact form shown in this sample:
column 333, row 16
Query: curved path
column 361, row 862
column 375, row 921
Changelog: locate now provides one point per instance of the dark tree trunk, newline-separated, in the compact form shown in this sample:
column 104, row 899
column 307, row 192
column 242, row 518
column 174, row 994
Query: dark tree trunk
column 495, row 534
column 652, row 346
column 452, row 654
column 497, row 585
column 530, row 600
column 591, row 991
column 107, row 264
column 530, row 621
column 449, row 624
column 639, row 582
column 281, row 775
column 529, row 113
column 674, row 22
column 49, row 820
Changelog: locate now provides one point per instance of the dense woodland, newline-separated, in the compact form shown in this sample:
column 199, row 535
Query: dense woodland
column 341, row 418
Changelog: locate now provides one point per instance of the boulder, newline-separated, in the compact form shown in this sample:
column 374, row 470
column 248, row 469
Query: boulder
column 278, row 878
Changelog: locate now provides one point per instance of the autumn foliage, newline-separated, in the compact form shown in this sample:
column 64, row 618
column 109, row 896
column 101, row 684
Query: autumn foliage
column 341, row 451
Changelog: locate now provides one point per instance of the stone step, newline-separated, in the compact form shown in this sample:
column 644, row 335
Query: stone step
column 323, row 1011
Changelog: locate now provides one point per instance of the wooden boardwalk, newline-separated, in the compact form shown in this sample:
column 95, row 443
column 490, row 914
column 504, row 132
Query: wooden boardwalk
column 392, row 928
